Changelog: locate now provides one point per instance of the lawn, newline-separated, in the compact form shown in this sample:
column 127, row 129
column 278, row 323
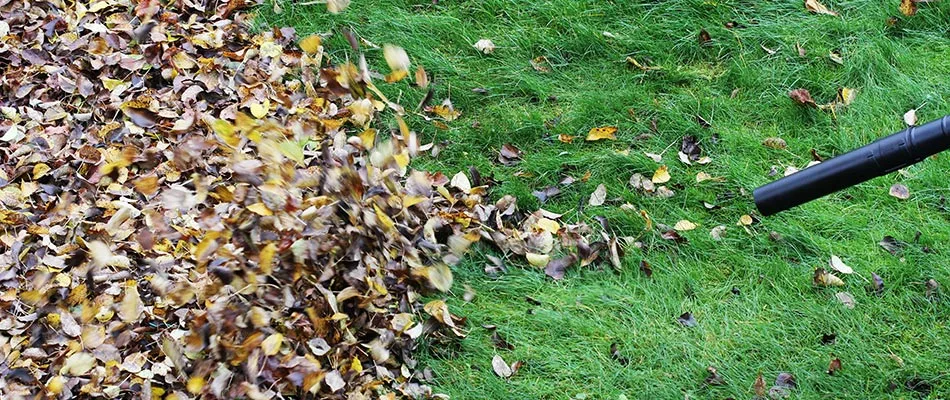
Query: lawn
column 752, row 296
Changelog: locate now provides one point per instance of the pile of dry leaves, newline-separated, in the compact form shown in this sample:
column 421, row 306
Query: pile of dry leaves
column 192, row 210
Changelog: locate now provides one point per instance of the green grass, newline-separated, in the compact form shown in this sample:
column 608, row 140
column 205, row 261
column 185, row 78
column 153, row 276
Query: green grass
column 776, row 320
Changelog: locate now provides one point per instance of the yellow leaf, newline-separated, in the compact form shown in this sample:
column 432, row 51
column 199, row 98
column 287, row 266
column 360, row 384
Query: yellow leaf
column 538, row 260
column 396, row 58
column 266, row 258
column 259, row 110
column 745, row 220
column 271, row 345
column 439, row 275
column 260, row 209
column 908, row 7
column 565, row 138
column 368, row 138
column 396, row 76
column 225, row 130
column 39, row 170
column 55, row 384
column 310, row 44
column 702, row 176
column 195, row 384
column 422, row 79
column 548, row 225
column 291, row 150
column 410, row 201
column 384, row 220
column 684, row 225
column 662, row 175
column 604, row 132
column 337, row 6
column 356, row 365
column 131, row 303
column 78, row 364
column 447, row 112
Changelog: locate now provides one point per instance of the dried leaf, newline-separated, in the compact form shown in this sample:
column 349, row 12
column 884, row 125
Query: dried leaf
column 824, row 278
column 500, row 367
column 846, row 299
column 838, row 265
column 816, row 7
column 910, row 117
column 599, row 196
column 485, row 46
column 908, row 8
column 687, row 320
column 802, row 96
column 775, row 143
column 899, row 191
column 834, row 366
column 684, row 225
column 556, row 268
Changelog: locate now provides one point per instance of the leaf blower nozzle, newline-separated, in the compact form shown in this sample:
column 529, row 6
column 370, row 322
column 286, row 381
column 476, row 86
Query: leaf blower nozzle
column 884, row 156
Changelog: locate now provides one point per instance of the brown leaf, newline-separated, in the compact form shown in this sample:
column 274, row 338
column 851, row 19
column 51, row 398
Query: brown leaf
column 758, row 387
column 713, row 378
column 908, row 7
column 556, row 268
column 802, row 96
column 892, row 245
column 509, row 155
column 704, row 37
column 499, row 342
column 834, row 366
column 775, row 143
column 547, row 193
column 645, row 268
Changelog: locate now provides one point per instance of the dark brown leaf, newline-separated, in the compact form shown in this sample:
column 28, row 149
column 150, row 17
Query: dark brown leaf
column 509, row 155
column 556, row 268
column 704, row 37
column 499, row 342
column 834, row 366
column 616, row 356
column 713, row 378
column 645, row 268
column 687, row 320
column 892, row 245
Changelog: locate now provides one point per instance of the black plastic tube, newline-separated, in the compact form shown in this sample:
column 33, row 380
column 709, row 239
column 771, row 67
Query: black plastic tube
column 884, row 156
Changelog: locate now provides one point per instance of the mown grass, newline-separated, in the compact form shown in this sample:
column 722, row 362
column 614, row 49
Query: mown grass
column 775, row 319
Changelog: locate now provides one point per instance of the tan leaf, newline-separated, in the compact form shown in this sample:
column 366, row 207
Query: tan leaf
column 500, row 367
column 599, row 196
column 846, row 299
column 131, row 307
column 816, row 7
column 775, row 143
column 910, row 117
column 900, row 191
column 684, row 225
column 654, row 157
column 78, row 364
column 824, row 278
column 485, row 46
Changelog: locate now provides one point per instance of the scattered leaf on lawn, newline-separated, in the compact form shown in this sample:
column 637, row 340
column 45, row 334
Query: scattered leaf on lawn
column 599, row 196
column 713, row 378
column 745, row 220
column 717, row 232
column 704, row 37
column 565, row 138
column 538, row 63
column 835, row 56
column 877, row 283
column 838, row 265
column 816, row 7
column 310, row 44
column 422, row 79
column 892, row 245
column 759, row 386
column 509, row 155
column 684, row 225
column 846, row 299
column 900, row 191
column 834, row 366
column 499, row 342
column 547, row 193
column 398, row 62
column 469, row 294
column 690, row 147
column 687, row 320
column 485, row 46
column 910, row 117
column 654, row 157
column 645, row 268
column 828, row 338
column 825, row 278
column 775, row 143
column 500, row 367
column 661, row 175
column 908, row 7
column 672, row 235
column 616, row 356
column 802, row 96
column 337, row 6
column 601, row 133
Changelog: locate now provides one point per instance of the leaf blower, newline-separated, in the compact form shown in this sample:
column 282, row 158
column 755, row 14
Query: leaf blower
column 882, row 157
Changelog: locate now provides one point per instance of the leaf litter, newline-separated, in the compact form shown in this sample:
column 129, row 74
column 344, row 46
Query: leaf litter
column 194, row 209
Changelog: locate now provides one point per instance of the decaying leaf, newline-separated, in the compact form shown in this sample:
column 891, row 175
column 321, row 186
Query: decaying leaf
column 834, row 366
column 602, row 133
column 802, row 96
column 745, row 220
column 818, row 8
column 713, row 378
column 758, row 387
column 899, row 191
column 509, row 155
column 717, row 232
column 892, row 245
column 877, row 283
column 845, row 298
column 556, row 268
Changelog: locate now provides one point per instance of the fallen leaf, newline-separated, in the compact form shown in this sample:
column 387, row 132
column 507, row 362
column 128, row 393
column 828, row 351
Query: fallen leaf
column 713, row 378
column 509, row 155
column 654, row 157
column 616, row 356
column 824, row 278
column 816, row 7
column 601, row 133
column 499, row 342
column 599, row 196
column 310, row 44
column 892, row 245
column 684, row 225
column 900, row 191
column 834, row 366
column 556, row 268
column 835, row 57
column 646, row 269
column 565, row 138
column 802, row 96
column 758, row 387
column 687, row 320
column 661, row 175
column 908, row 8
column 717, row 232
column 877, row 283
column 704, row 37
column 538, row 260
column 846, row 299
column 910, row 117
column 775, row 143
column 336, row 7
column 674, row 236
column 745, row 220
column 538, row 63
column 500, row 367
column 485, row 46
column 78, row 364
column 838, row 265
column 271, row 345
